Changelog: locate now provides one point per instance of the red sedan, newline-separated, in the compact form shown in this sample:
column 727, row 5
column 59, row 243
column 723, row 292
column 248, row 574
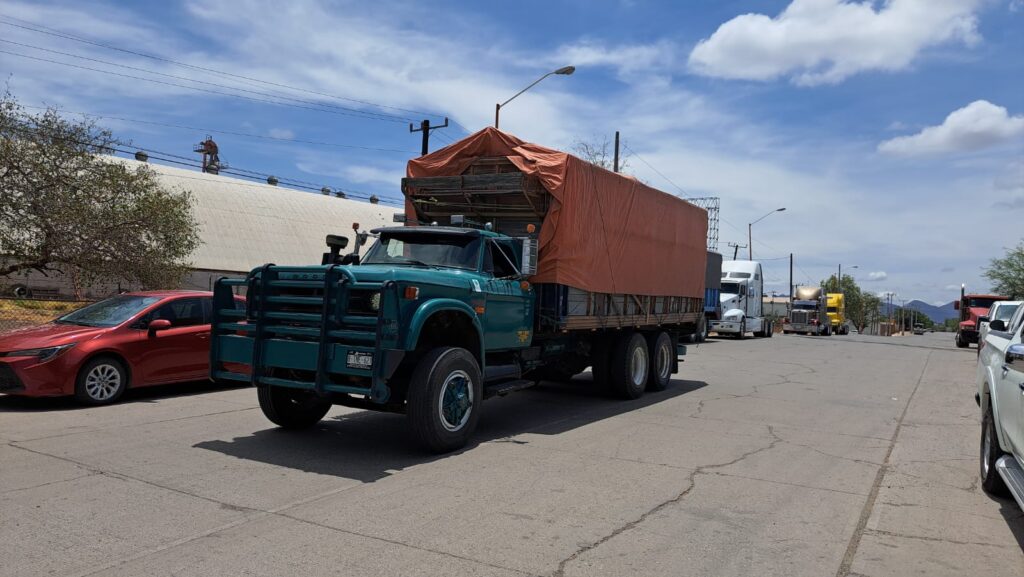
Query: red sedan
column 96, row 352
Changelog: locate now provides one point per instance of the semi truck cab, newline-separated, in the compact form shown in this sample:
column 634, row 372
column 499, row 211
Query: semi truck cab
column 741, row 298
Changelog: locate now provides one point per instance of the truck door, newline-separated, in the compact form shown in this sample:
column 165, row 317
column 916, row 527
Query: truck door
column 508, row 318
column 1011, row 395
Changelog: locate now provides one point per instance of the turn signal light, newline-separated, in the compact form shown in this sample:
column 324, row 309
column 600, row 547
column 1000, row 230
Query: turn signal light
column 412, row 293
column 531, row 228
column 524, row 285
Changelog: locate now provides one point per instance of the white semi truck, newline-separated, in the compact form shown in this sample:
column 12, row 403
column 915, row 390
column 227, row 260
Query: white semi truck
column 742, row 301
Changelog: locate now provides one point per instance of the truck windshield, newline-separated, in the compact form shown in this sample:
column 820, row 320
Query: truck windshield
column 980, row 303
column 426, row 249
column 805, row 306
column 730, row 288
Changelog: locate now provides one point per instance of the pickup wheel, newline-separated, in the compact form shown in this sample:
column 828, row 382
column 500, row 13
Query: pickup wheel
column 659, row 373
column 991, row 482
column 629, row 366
column 292, row 408
column 443, row 403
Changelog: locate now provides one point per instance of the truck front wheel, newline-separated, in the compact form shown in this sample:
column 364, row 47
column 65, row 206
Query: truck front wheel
column 444, row 399
column 629, row 366
column 961, row 342
column 659, row 373
column 292, row 408
column 991, row 482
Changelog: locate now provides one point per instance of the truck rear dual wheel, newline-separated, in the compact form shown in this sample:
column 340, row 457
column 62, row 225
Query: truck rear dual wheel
column 292, row 408
column 661, row 351
column 443, row 403
column 629, row 367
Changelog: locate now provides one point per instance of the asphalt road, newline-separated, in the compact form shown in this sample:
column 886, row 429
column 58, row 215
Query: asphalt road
column 791, row 456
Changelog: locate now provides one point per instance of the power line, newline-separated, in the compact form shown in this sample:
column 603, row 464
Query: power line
column 193, row 163
column 198, row 89
column 368, row 114
column 39, row 28
column 230, row 132
column 641, row 159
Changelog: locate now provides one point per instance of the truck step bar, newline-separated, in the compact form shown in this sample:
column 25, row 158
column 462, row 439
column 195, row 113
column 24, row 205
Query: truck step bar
column 502, row 389
column 1012, row 473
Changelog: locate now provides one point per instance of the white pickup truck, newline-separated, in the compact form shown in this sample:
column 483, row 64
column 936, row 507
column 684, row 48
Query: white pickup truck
column 1000, row 395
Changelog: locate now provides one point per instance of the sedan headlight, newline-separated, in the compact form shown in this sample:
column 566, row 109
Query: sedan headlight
column 43, row 354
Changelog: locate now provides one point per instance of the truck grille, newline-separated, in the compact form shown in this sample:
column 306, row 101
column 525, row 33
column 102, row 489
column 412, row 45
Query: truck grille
column 799, row 317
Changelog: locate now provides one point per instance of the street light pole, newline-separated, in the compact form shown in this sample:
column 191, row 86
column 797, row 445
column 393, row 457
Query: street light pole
column 565, row 71
column 750, row 236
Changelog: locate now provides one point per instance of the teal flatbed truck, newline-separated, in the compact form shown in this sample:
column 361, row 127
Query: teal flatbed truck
column 434, row 319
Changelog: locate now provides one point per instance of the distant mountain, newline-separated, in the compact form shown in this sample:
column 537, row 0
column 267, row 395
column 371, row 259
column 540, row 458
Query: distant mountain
column 937, row 314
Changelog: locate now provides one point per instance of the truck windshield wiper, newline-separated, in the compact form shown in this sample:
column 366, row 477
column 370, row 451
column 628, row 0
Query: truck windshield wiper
column 414, row 262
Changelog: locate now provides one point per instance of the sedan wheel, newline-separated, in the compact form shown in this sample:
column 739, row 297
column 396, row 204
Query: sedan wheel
column 101, row 381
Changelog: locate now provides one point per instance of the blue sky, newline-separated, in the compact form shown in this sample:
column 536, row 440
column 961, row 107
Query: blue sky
column 892, row 131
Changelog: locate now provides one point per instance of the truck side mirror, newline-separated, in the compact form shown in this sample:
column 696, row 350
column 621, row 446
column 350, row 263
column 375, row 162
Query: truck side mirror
column 529, row 259
column 956, row 305
column 1015, row 355
column 336, row 244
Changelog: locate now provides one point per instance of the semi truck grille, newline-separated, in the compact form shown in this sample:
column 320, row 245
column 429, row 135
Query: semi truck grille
column 799, row 317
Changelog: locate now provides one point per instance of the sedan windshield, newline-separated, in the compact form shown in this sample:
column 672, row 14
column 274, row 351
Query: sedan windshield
column 108, row 313
column 426, row 249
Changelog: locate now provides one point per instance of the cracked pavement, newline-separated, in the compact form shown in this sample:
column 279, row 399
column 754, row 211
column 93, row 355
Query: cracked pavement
column 847, row 456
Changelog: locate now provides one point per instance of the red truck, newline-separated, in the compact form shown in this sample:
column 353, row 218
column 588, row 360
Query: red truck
column 972, row 306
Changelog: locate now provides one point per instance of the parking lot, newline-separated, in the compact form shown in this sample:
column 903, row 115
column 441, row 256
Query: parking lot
column 792, row 456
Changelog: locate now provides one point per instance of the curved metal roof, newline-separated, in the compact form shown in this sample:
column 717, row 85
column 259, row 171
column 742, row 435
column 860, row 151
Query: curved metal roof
column 246, row 224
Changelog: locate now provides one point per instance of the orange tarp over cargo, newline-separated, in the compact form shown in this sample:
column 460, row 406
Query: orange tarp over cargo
column 603, row 232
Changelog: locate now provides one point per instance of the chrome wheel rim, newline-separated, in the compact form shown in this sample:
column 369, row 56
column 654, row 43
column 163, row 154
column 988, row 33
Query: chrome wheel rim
column 664, row 362
column 455, row 403
column 638, row 365
column 102, row 382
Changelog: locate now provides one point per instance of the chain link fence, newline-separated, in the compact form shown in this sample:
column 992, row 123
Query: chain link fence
column 16, row 313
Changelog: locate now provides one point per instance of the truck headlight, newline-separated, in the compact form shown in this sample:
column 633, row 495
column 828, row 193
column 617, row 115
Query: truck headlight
column 375, row 302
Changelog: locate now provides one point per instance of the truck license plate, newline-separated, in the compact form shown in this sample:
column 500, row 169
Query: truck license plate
column 359, row 360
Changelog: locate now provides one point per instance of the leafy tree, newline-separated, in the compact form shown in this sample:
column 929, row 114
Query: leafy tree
column 1007, row 273
column 65, row 207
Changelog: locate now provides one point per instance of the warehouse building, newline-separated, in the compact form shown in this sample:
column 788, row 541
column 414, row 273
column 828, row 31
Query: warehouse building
column 242, row 225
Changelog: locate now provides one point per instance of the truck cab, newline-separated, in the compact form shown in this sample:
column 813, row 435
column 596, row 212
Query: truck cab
column 971, row 307
column 742, row 293
column 836, row 310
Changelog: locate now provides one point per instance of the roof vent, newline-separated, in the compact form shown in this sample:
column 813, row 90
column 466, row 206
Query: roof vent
column 374, row 199
column 141, row 156
column 272, row 180
column 339, row 193
column 325, row 191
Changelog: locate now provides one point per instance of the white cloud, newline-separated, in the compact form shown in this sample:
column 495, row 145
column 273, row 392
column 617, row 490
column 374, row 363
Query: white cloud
column 877, row 276
column 978, row 125
column 281, row 133
column 372, row 174
column 951, row 287
column 1016, row 5
column 826, row 41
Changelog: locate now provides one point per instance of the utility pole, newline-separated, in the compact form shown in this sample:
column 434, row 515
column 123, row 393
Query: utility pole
column 615, row 167
column 790, row 277
column 425, row 128
column 736, row 249
column 750, row 242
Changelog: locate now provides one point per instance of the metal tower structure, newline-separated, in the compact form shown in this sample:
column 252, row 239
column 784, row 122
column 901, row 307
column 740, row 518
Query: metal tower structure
column 710, row 204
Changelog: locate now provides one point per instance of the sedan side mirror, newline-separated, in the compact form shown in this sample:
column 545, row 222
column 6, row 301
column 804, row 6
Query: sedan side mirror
column 159, row 325
column 997, row 325
column 1015, row 355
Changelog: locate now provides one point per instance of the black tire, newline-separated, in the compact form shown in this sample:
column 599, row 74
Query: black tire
column 961, row 343
column 629, row 366
column 21, row 291
column 101, row 381
column 445, row 394
column 990, row 452
column 292, row 409
column 661, row 354
column 771, row 330
column 743, row 330
column 600, row 361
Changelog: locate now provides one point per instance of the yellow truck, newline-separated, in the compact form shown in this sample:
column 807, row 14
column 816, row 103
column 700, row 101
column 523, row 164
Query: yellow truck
column 835, row 306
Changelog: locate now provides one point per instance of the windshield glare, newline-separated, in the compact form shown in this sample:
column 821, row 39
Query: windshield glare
column 1005, row 312
column 730, row 288
column 431, row 249
column 108, row 313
